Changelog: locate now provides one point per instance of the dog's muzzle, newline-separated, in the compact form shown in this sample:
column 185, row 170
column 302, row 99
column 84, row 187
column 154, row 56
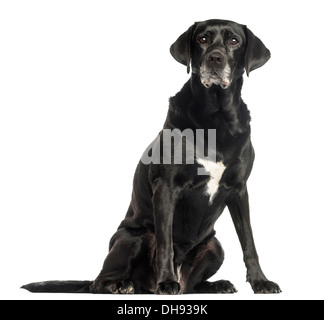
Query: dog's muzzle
column 215, row 70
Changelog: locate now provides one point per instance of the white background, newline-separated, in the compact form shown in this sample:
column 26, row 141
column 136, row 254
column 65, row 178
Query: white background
column 84, row 88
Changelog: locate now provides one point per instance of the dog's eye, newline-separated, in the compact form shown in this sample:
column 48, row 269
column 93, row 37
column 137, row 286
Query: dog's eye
column 234, row 41
column 202, row 40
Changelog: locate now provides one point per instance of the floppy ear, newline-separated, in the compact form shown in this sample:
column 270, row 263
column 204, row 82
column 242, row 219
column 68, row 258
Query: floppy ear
column 256, row 54
column 181, row 49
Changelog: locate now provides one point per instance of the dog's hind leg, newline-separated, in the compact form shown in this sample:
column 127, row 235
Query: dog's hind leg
column 201, row 264
column 127, row 248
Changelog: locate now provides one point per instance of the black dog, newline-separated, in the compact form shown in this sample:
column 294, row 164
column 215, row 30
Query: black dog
column 166, row 244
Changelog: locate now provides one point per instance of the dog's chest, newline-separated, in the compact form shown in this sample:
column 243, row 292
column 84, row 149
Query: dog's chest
column 215, row 170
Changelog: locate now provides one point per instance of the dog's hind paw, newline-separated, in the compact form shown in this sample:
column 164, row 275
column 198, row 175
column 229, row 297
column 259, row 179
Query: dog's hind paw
column 123, row 287
column 221, row 286
column 118, row 287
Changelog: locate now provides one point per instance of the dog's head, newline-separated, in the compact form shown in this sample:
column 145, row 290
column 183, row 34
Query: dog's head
column 219, row 51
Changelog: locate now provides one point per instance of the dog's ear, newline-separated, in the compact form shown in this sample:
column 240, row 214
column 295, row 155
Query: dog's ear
column 256, row 54
column 181, row 49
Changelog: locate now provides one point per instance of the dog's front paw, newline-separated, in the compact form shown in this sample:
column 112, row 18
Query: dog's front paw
column 265, row 286
column 168, row 287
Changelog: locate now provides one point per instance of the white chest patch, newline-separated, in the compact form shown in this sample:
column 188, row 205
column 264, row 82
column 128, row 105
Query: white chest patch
column 215, row 170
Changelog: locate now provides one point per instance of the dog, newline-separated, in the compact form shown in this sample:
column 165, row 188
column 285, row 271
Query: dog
column 166, row 244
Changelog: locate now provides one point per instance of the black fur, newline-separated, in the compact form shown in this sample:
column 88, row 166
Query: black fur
column 166, row 244
column 59, row 286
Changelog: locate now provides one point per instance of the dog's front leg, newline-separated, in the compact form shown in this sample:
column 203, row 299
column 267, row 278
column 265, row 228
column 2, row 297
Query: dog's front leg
column 163, row 201
column 238, row 205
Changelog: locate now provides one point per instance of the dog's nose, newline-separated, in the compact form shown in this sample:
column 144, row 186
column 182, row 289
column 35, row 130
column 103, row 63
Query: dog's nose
column 216, row 58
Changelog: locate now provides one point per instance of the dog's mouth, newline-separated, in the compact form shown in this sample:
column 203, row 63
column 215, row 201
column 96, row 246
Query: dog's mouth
column 219, row 77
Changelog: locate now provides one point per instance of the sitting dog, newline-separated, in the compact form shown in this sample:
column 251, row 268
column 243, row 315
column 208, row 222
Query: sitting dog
column 166, row 244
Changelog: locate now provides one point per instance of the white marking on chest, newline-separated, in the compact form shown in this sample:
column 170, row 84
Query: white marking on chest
column 215, row 170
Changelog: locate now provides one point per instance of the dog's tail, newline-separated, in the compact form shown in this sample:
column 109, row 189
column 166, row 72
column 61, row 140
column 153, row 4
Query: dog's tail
column 59, row 286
